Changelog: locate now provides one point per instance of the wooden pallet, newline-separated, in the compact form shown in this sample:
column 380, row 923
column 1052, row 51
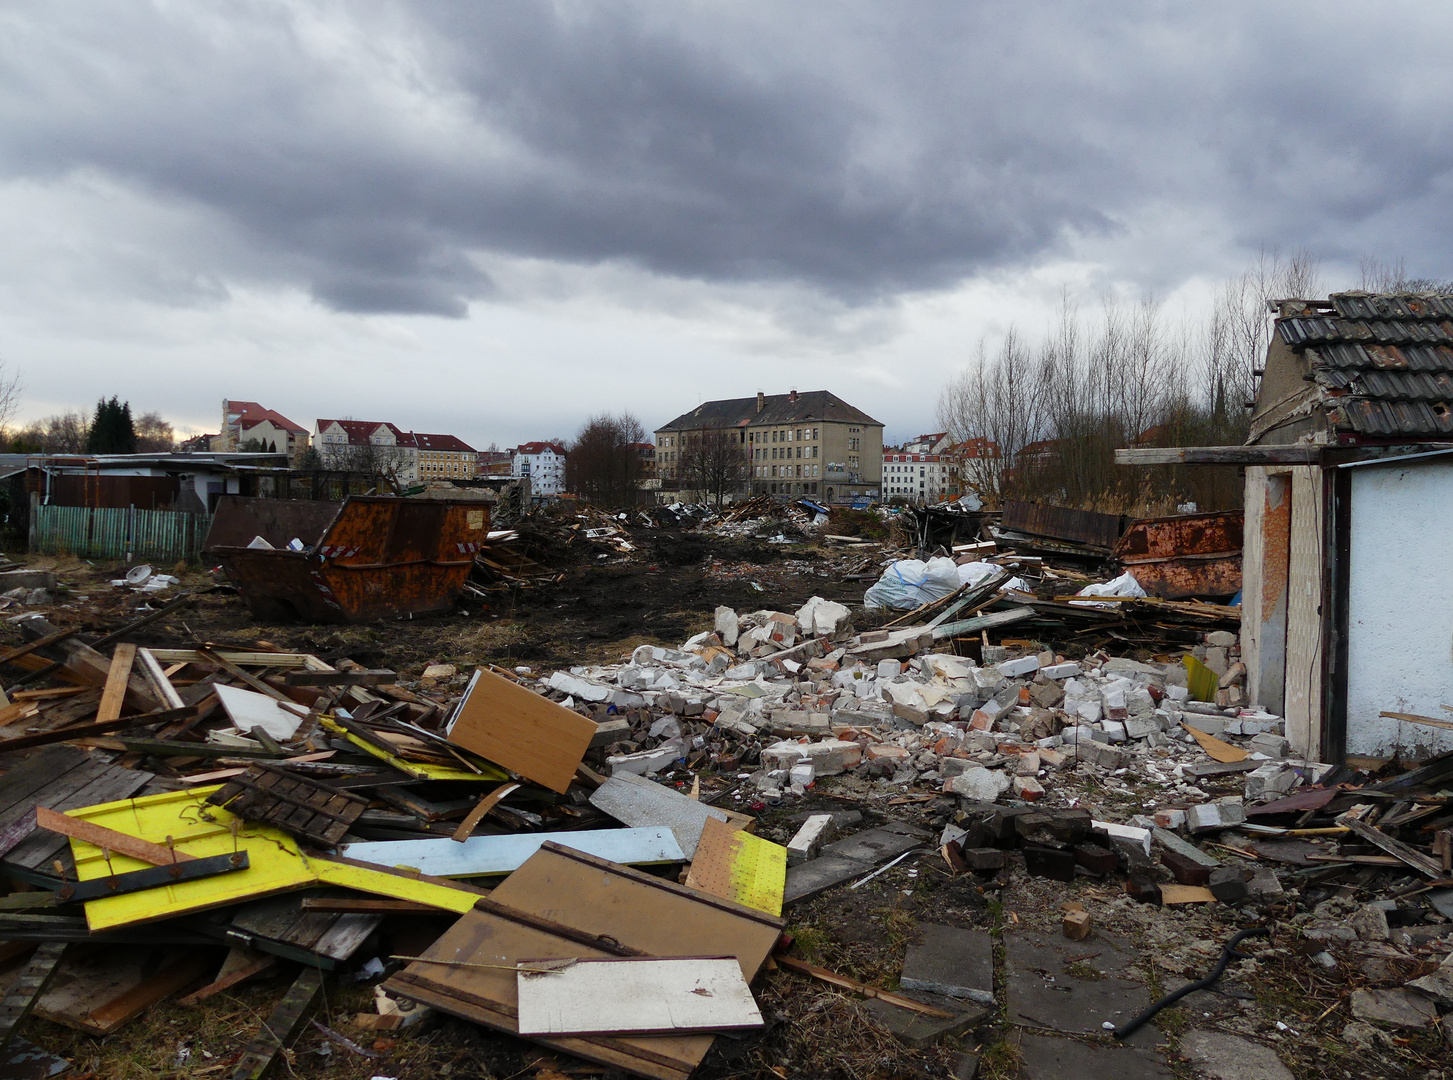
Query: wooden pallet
column 307, row 808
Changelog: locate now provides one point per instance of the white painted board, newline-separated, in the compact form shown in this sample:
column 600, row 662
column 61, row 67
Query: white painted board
column 637, row 996
column 249, row 710
column 482, row 855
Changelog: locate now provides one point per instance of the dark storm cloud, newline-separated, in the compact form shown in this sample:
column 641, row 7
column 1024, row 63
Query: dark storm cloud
column 380, row 155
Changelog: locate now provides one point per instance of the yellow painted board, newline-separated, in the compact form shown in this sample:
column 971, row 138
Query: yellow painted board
column 418, row 769
column 276, row 864
column 736, row 865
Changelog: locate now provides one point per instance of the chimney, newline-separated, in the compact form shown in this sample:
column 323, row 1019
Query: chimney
column 792, row 396
column 761, row 401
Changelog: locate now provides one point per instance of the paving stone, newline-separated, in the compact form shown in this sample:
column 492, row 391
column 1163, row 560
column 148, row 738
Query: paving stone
column 1048, row 1058
column 1394, row 1008
column 951, row 961
column 806, row 880
column 877, row 845
column 1219, row 1056
column 1041, row 992
column 918, row 1030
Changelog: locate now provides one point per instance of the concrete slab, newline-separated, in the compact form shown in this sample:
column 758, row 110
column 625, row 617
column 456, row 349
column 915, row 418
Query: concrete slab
column 951, row 961
column 1049, row 1058
column 917, row 1030
column 806, row 880
column 1219, row 1056
column 874, row 846
column 1074, row 986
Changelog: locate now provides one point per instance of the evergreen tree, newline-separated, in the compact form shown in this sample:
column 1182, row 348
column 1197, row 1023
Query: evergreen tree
column 111, row 431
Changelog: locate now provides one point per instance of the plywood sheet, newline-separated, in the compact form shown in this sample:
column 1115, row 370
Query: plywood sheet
column 643, row 996
column 517, row 728
column 249, row 710
column 483, row 855
column 740, row 867
column 563, row 904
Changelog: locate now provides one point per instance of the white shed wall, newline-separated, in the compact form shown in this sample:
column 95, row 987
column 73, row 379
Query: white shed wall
column 1400, row 607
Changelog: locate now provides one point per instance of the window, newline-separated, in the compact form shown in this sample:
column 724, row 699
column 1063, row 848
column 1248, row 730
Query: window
column 814, row 451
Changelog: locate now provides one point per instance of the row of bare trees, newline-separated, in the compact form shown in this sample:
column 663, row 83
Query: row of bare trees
column 1125, row 375
column 72, row 432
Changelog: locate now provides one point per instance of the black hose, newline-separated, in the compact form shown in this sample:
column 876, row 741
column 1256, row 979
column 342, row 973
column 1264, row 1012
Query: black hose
column 1228, row 954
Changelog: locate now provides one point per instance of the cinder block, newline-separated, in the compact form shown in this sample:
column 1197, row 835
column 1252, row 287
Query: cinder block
column 1050, row 862
column 816, row 831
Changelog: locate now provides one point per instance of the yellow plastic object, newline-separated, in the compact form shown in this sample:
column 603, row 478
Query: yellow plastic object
column 1200, row 680
column 418, row 769
column 185, row 820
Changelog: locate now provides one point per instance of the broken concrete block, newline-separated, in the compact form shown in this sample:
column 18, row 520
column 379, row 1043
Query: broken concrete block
column 1369, row 922
column 646, row 762
column 824, row 618
column 610, row 731
column 1393, row 1008
column 1273, row 746
column 1438, row 984
column 1270, row 781
column 1221, row 639
column 1129, row 834
column 1211, row 817
column 1053, row 828
column 1060, row 671
column 816, row 831
column 1188, row 864
column 978, row 783
column 1141, row 888
column 1169, row 819
column 985, row 858
column 886, row 752
column 1020, row 665
column 1210, row 725
column 727, row 626
column 829, row 757
column 956, row 963
column 1142, row 727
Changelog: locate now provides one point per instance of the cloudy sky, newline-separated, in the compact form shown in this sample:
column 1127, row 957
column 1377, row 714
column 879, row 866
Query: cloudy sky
column 495, row 219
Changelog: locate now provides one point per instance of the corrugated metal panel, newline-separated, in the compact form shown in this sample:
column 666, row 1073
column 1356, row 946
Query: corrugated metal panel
column 165, row 536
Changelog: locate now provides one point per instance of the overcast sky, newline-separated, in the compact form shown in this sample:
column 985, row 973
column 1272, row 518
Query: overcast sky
column 495, row 219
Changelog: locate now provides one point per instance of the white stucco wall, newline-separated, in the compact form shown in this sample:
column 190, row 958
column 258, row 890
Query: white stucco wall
column 1400, row 607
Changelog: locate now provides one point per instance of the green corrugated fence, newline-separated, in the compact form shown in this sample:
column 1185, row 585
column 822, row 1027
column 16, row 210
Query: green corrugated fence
column 163, row 535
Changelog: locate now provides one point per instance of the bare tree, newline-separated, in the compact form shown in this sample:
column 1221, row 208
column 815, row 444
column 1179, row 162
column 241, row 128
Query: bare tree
column 604, row 462
column 715, row 463
column 153, row 434
column 62, row 433
column 1377, row 276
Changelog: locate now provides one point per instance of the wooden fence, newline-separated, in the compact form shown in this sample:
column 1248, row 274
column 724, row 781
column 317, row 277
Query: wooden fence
column 165, row 536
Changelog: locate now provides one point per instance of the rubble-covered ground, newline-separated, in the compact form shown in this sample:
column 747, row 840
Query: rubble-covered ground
column 1028, row 779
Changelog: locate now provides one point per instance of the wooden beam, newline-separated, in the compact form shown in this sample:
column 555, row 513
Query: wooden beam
column 1219, row 455
column 117, row 680
column 151, row 668
column 132, row 846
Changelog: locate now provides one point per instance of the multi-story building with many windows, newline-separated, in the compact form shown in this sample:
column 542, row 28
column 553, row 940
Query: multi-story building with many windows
column 812, row 444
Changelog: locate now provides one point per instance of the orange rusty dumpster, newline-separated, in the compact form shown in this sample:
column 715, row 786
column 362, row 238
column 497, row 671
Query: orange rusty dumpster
column 369, row 557
column 1186, row 555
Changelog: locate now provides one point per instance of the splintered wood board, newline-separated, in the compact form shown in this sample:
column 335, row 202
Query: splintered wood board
column 621, row 995
column 512, row 726
column 564, row 904
column 99, row 991
column 739, row 866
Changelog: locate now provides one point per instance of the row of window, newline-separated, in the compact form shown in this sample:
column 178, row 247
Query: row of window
column 784, row 435
column 763, row 471
column 780, row 452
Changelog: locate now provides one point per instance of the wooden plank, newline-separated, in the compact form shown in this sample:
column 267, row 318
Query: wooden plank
column 11, row 655
column 734, row 864
column 791, row 963
column 982, row 622
column 187, row 869
column 639, row 995
column 279, row 1029
column 1414, row 718
column 100, row 991
column 517, row 728
column 152, row 671
column 605, row 909
column 480, row 856
column 117, row 679
column 86, row 731
column 340, row 678
column 245, row 676
column 27, row 989
column 109, row 782
column 365, row 905
column 110, row 839
column 1396, row 848
column 1219, row 455
column 226, row 979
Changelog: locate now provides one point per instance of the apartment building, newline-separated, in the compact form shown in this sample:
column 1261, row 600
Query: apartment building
column 811, row 443
column 916, row 478
column 544, row 464
column 247, row 423
column 379, row 446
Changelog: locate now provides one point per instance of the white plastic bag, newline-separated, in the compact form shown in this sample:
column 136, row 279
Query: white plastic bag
column 909, row 583
column 1124, row 585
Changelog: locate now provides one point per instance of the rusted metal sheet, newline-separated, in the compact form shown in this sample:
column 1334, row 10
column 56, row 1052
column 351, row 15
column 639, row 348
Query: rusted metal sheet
column 375, row 557
column 1186, row 555
column 1062, row 523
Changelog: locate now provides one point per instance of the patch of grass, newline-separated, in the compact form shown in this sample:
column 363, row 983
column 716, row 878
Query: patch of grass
column 1083, row 971
column 1174, row 1021
column 1001, row 1060
column 810, row 942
